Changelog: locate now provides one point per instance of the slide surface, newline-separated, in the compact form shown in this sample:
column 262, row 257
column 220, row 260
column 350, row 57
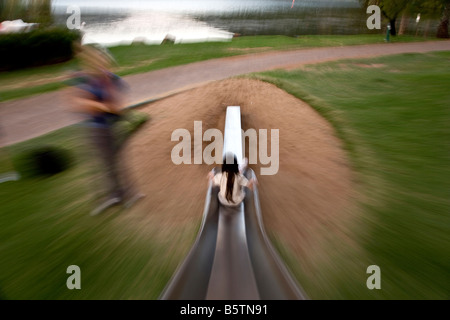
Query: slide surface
column 232, row 257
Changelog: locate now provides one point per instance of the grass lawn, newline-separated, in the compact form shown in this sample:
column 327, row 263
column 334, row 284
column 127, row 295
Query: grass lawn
column 140, row 58
column 391, row 112
column 46, row 227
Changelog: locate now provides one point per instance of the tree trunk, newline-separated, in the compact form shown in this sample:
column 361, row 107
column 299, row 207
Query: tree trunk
column 392, row 24
column 403, row 24
column 442, row 31
column 427, row 29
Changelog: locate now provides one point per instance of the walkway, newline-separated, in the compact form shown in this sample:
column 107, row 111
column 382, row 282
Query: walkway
column 33, row 116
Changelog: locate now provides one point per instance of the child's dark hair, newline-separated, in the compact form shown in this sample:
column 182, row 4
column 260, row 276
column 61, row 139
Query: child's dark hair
column 231, row 168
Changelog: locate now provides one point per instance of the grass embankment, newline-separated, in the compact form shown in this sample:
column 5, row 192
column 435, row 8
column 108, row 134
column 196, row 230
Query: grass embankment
column 391, row 112
column 140, row 58
column 46, row 227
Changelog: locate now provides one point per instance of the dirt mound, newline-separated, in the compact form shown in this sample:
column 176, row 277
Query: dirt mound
column 305, row 199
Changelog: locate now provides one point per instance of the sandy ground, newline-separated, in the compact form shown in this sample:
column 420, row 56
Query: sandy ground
column 309, row 196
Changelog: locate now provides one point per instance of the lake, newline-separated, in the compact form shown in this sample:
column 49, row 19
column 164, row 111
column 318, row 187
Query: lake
column 116, row 22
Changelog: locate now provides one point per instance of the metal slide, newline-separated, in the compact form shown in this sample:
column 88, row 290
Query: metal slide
column 232, row 257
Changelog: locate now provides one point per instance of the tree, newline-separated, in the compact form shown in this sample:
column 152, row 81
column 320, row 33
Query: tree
column 434, row 9
column 442, row 31
column 11, row 9
column 38, row 11
column 391, row 9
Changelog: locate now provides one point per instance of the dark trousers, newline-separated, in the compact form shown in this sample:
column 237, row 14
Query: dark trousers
column 108, row 150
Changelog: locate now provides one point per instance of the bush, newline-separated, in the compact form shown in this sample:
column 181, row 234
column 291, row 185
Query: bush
column 36, row 48
column 43, row 161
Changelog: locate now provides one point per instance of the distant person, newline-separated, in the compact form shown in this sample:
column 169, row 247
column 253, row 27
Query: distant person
column 97, row 93
column 231, row 182
column 168, row 39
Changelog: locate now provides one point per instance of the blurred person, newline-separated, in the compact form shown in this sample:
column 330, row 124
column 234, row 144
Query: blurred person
column 98, row 94
column 231, row 182
column 168, row 39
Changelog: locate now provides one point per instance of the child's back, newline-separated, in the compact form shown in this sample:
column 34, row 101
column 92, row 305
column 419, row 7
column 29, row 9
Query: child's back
column 234, row 196
column 231, row 182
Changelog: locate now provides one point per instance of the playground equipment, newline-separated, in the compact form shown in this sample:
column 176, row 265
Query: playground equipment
column 232, row 257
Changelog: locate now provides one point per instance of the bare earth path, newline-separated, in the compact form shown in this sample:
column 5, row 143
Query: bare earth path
column 30, row 117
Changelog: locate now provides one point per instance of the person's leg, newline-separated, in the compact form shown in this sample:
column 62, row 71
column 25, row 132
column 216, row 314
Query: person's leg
column 105, row 155
column 109, row 154
column 103, row 143
column 131, row 193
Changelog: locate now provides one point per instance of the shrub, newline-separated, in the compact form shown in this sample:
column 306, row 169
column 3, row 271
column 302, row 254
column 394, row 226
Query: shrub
column 43, row 161
column 36, row 48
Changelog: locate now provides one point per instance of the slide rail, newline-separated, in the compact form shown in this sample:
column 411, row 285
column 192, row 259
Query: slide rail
column 232, row 257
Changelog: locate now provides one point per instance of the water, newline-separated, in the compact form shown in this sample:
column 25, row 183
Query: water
column 149, row 27
column 113, row 22
column 124, row 22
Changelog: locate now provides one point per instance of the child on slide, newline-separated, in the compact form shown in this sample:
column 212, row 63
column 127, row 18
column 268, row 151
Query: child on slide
column 231, row 181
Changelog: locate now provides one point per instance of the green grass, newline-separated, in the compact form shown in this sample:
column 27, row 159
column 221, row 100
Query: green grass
column 138, row 58
column 393, row 115
column 46, row 227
